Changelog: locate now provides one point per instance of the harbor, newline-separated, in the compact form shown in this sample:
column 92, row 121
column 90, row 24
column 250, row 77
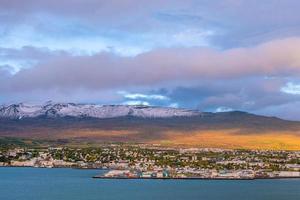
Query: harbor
column 222, row 175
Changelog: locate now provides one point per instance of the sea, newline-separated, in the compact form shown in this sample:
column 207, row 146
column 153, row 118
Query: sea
column 17, row 183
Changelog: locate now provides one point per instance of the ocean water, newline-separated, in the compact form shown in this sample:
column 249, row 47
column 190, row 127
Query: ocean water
column 74, row 184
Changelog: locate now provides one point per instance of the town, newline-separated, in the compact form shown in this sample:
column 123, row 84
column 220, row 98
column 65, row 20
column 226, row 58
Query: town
column 149, row 161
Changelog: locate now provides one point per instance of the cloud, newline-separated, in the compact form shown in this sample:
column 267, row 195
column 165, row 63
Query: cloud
column 146, row 99
column 173, row 105
column 26, row 57
column 204, row 54
column 237, row 75
column 256, row 95
column 223, row 109
column 288, row 110
column 199, row 78
column 128, row 95
column 136, row 103
column 291, row 88
column 161, row 66
column 75, row 24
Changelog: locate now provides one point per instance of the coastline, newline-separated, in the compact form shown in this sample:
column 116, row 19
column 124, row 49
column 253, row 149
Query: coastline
column 158, row 178
column 194, row 178
column 170, row 178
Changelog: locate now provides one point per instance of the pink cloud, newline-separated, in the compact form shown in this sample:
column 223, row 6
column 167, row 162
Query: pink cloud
column 105, row 71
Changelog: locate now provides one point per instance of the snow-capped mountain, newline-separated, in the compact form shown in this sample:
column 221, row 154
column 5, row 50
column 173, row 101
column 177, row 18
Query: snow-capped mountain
column 50, row 109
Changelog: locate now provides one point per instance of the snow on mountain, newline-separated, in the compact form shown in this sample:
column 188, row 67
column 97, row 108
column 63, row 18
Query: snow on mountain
column 50, row 109
column 20, row 110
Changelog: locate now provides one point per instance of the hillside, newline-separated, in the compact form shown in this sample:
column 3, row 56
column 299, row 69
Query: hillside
column 52, row 110
column 167, row 126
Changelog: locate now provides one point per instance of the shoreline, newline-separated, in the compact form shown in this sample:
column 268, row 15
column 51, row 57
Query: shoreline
column 195, row 178
column 155, row 178
column 186, row 178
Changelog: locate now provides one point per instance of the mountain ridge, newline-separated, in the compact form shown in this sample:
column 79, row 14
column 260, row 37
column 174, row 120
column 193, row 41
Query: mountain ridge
column 21, row 110
column 144, row 124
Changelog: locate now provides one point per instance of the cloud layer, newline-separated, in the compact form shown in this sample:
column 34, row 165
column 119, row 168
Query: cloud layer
column 106, row 71
column 208, row 55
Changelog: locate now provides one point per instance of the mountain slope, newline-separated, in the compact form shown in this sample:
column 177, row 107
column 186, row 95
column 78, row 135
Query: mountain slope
column 18, row 111
column 79, row 123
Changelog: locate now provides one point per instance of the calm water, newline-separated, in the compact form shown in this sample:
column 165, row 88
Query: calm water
column 72, row 184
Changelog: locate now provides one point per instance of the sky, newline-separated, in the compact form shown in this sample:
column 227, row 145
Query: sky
column 209, row 55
